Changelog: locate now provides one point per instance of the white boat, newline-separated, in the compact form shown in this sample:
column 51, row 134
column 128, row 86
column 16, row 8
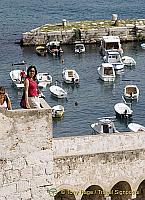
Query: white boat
column 58, row 91
column 114, row 58
column 80, row 48
column 16, row 79
column 122, row 110
column 136, row 127
column 128, row 61
column 44, row 77
column 110, row 43
column 70, row 76
column 104, row 125
column 131, row 92
column 57, row 111
column 106, row 72
column 41, row 50
column 54, row 48
column 15, row 76
column 143, row 45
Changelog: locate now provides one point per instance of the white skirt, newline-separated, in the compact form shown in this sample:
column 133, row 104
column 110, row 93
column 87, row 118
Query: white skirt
column 34, row 102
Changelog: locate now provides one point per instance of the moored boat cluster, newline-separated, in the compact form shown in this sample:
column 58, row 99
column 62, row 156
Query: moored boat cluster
column 113, row 62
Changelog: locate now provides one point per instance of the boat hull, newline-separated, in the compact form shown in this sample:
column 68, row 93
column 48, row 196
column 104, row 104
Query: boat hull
column 106, row 72
column 136, row 127
column 58, row 92
column 122, row 110
column 57, row 111
column 131, row 92
column 70, row 76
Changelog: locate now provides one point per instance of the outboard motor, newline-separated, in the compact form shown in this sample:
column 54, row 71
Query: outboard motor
column 73, row 80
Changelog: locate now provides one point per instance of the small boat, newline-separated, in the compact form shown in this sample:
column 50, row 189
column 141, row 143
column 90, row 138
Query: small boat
column 44, row 77
column 114, row 58
column 58, row 92
column 104, row 125
column 131, row 92
column 122, row 110
column 80, row 48
column 41, row 51
column 57, row 111
column 136, row 127
column 110, row 43
column 16, row 79
column 70, row 76
column 106, row 72
column 143, row 45
column 128, row 61
column 15, row 76
column 54, row 48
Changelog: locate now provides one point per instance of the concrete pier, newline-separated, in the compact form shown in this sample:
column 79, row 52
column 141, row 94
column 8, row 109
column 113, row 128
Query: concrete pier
column 85, row 31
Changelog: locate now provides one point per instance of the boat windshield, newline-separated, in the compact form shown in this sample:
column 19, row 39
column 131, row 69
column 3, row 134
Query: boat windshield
column 112, row 45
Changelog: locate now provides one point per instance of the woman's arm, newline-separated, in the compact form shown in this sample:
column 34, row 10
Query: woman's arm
column 9, row 104
column 26, row 88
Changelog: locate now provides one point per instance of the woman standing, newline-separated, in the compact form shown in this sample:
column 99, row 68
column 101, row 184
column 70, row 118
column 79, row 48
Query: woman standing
column 31, row 88
column 5, row 102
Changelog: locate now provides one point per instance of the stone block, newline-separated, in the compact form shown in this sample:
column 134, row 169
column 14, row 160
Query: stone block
column 23, row 185
column 26, row 173
column 8, row 189
column 26, row 195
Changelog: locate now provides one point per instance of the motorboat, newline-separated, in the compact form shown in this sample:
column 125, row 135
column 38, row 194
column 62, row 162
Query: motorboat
column 58, row 92
column 110, row 43
column 106, row 72
column 41, row 51
column 57, row 111
column 122, row 110
column 70, row 76
column 15, row 76
column 136, row 127
column 143, row 45
column 128, row 61
column 44, row 77
column 54, row 48
column 115, row 59
column 80, row 48
column 131, row 92
column 104, row 125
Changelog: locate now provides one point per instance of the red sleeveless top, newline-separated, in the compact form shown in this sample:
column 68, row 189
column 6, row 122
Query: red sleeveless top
column 33, row 88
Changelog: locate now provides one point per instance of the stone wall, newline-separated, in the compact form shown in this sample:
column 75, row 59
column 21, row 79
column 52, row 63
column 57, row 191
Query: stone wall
column 34, row 165
column 26, row 158
column 103, row 160
column 126, row 33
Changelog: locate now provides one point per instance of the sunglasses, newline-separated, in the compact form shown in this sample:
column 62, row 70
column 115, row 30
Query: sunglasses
column 32, row 70
column 2, row 92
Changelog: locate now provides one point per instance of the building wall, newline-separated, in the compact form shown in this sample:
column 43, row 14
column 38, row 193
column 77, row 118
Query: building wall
column 26, row 158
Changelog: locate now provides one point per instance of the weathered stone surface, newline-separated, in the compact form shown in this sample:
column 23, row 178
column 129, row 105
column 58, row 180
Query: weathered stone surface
column 33, row 165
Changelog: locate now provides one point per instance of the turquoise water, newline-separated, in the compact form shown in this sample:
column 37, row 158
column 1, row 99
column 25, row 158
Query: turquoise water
column 95, row 98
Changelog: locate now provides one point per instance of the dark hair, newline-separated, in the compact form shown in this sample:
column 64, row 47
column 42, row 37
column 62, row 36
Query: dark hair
column 29, row 69
column 2, row 89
